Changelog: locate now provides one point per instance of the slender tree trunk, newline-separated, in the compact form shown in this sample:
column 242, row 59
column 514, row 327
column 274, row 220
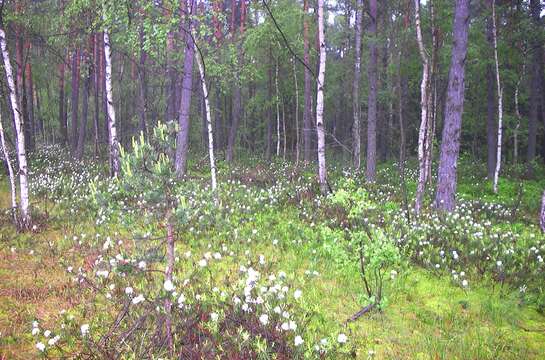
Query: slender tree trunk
column 10, row 172
column 97, row 82
column 284, row 129
column 113, row 142
column 209, row 126
column 297, row 141
column 500, row 98
column 372, row 99
column 171, row 75
column 84, row 110
column 30, row 125
column 356, row 140
column 322, row 172
column 542, row 213
column 277, row 104
column 25, row 219
column 75, row 98
column 424, row 132
column 269, row 145
column 39, row 114
column 491, row 131
column 519, row 117
column 236, row 111
column 143, row 101
column 537, row 54
column 307, row 110
column 182, row 141
column 450, row 145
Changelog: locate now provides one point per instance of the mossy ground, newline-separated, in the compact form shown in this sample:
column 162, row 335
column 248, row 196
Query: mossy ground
column 428, row 317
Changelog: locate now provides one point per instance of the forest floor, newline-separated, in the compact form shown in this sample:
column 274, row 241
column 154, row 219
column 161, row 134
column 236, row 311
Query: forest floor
column 427, row 314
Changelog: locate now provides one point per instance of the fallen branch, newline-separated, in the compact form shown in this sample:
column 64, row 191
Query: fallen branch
column 362, row 312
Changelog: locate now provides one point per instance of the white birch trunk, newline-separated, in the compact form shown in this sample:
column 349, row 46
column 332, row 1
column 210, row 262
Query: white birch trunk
column 21, row 154
column 322, row 172
column 10, row 172
column 519, row 117
column 208, row 122
column 113, row 142
column 500, row 98
column 424, row 130
column 284, row 129
column 277, row 111
column 296, row 114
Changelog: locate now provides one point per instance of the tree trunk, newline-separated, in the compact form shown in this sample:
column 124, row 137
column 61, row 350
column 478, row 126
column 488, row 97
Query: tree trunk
column 307, row 111
column 519, row 117
column 143, row 101
column 97, row 82
column 269, row 145
column 500, row 98
column 424, row 131
column 450, row 144
column 10, row 173
column 372, row 99
column 25, row 219
column 182, row 141
column 322, row 172
column 542, row 213
column 209, row 125
column 30, row 124
column 356, row 140
column 75, row 98
column 84, row 111
column 113, row 142
column 277, row 104
column 297, row 140
column 236, row 111
column 537, row 54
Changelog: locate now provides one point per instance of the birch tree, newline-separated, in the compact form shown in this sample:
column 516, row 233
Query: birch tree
column 25, row 219
column 322, row 171
column 500, row 98
column 11, row 174
column 424, row 133
column 113, row 142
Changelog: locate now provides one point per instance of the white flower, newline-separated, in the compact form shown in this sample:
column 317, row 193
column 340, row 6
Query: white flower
column 293, row 325
column 298, row 340
column 40, row 346
column 214, row 316
column 465, row 283
column 264, row 319
column 54, row 340
column 285, row 326
column 47, row 333
column 323, row 342
column 35, row 331
column 138, row 299
column 297, row 294
column 393, row 274
column 128, row 290
column 181, row 299
column 84, row 329
column 342, row 338
column 142, row 265
column 202, row 262
column 499, row 263
column 168, row 285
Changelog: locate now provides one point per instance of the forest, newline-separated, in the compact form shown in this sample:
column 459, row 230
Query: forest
column 272, row 179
